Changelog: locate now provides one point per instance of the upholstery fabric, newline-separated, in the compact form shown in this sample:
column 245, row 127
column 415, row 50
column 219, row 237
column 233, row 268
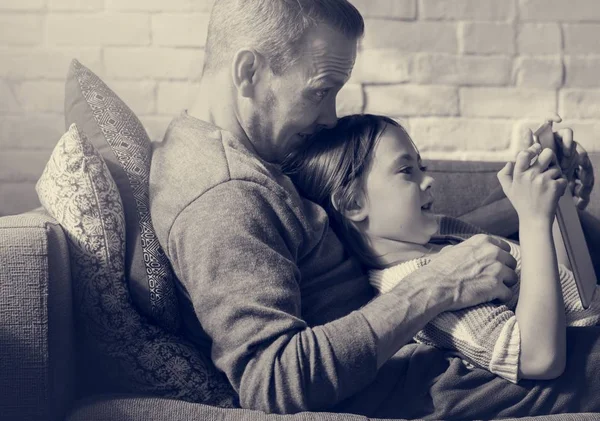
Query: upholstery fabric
column 36, row 320
column 132, row 408
column 120, row 350
column 118, row 134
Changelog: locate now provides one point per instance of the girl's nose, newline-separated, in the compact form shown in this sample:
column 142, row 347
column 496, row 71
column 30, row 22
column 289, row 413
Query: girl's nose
column 427, row 182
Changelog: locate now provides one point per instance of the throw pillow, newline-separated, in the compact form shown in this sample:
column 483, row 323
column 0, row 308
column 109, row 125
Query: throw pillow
column 119, row 350
column 118, row 134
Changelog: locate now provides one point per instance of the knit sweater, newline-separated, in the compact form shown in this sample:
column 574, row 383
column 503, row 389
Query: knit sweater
column 486, row 335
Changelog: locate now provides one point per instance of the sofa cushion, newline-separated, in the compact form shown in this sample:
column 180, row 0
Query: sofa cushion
column 119, row 350
column 118, row 134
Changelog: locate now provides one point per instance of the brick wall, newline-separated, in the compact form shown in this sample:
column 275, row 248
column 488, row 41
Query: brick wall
column 465, row 76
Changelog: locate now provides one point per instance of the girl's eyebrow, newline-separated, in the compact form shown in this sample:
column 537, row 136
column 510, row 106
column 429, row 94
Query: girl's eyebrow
column 403, row 157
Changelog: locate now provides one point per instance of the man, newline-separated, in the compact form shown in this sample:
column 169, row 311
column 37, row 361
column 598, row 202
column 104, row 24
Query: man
column 266, row 286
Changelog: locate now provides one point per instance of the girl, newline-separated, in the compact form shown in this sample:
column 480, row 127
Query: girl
column 367, row 174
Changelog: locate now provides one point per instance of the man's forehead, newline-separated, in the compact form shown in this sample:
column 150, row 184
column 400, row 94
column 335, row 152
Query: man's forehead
column 330, row 55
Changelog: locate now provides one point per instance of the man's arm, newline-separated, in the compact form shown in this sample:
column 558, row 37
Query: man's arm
column 235, row 251
column 235, row 248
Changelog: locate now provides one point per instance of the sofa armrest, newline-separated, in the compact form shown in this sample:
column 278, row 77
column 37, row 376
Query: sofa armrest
column 36, row 323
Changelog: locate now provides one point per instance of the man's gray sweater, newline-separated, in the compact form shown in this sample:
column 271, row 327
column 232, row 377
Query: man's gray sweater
column 278, row 300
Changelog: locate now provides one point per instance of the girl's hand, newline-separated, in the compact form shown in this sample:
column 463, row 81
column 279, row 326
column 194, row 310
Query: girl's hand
column 573, row 160
column 533, row 184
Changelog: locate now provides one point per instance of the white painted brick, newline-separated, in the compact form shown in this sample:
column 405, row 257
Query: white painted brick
column 75, row 5
column 150, row 5
column 520, row 136
column 582, row 38
column 22, row 165
column 8, row 100
column 204, row 6
column 462, row 70
column 31, row 131
column 467, row 155
column 98, row 29
column 461, row 134
column 486, row 38
column 410, row 36
column 48, row 96
column 585, row 132
column 22, row 5
column 579, row 103
column 506, row 102
column 174, row 97
column 21, row 29
column 381, row 66
column 539, row 72
column 539, row 38
column 17, row 198
column 488, row 10
column 559, row 10
column 582, row 71
column 139, row 96
column 48, row 63
column 182, row 30
column 350, row 100
column 387, row 9
column 159, row 63
column 155, row 126
column 411, row 100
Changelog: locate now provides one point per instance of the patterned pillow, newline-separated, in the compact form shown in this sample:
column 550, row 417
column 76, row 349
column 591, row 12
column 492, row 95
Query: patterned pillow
column 118, row 134
column 119, row 350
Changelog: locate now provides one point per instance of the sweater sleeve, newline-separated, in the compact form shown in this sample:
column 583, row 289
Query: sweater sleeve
column 487, row 335
column 575, row 314
column 235, row 250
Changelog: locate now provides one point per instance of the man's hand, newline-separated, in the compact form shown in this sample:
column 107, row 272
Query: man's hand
column 475, row 271
column 574, row 163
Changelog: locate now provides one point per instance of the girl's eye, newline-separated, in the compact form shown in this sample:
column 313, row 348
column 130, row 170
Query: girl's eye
column 423, row 168
column 405, row 170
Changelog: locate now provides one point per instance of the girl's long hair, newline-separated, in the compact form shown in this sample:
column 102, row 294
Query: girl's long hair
column 333, row 165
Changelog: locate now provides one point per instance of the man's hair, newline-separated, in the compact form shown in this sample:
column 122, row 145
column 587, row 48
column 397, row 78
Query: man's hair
column 332, row 168
column 275, row 28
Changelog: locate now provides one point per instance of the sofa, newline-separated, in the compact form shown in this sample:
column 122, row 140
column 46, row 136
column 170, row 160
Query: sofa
column 45, row 322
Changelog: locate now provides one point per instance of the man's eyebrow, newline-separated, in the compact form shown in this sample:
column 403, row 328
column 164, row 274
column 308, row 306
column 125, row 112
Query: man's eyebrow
column 326, row 81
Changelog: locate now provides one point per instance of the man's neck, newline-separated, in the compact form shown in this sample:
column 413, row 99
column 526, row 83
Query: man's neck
column 215, row 104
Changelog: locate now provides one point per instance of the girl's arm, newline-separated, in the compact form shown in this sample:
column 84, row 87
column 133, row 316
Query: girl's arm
column 534, row 190
column 540, row 309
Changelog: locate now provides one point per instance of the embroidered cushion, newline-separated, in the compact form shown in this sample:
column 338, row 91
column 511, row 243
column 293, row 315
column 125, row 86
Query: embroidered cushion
column 119, row 350
column 119, row 136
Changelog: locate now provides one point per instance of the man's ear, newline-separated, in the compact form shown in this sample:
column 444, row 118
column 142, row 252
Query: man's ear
column 356, row 211
column 246, row 63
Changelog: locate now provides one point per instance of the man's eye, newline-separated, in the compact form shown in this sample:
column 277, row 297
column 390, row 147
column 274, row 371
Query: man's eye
column 321, row 94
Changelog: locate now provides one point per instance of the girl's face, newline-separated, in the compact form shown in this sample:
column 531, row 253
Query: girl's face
column 398, row 191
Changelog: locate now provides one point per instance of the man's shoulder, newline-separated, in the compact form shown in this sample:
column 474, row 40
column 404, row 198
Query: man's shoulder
column 196, row 157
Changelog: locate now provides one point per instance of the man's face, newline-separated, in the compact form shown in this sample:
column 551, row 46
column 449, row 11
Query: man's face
column 290, row 107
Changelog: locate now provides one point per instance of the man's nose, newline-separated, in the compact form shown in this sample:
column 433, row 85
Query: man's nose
column 328, row 117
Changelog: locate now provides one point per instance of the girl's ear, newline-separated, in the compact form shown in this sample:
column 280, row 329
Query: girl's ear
column 356, row 211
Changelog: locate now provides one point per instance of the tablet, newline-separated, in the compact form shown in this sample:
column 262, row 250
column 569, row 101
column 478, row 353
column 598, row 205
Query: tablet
column 571, row 231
